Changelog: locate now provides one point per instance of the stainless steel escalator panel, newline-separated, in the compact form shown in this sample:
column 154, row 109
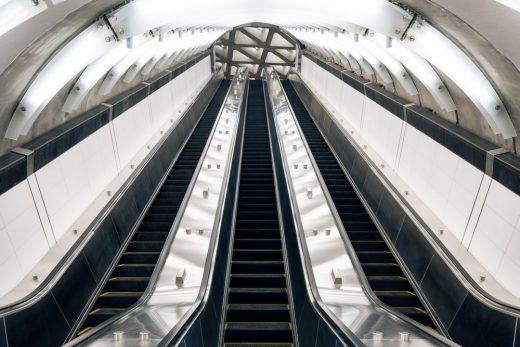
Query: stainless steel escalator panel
column 181, row 277
column 325, row 248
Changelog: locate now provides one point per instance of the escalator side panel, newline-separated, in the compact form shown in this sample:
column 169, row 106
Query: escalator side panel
column 131, row 276
column 384, row 274
column 258, row 309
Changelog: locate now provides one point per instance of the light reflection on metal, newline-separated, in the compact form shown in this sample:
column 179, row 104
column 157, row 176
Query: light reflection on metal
column 181, row 277
column 333, row 272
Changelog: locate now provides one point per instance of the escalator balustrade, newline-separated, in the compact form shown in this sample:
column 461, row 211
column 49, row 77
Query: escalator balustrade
column 385, row 276
column 130, row 277
column 258, row 312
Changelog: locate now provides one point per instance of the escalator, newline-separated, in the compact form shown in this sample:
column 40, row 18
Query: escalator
column 258, row 312
column 382, row 270
column 131, row 275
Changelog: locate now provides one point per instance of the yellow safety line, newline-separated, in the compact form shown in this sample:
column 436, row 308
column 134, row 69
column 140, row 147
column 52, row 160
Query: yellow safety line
column 84, row 330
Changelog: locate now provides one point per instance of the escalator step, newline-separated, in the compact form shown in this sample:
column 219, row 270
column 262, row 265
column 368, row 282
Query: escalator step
column 127, row 284
column 257, row 295
column 385, row 283
column 257, row 311
column 257, row 254
column 118, row 299
column 258, row 332
column 244, row 267
column 380, row 266
column 133, row 270
column 398, row 298
column 131, row 276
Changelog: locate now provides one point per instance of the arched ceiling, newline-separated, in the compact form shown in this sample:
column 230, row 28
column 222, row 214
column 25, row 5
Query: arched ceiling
column 379, row 38
column 255, row 46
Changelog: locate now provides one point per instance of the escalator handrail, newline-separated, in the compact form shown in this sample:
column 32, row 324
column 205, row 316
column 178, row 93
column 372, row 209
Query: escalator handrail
column 458, row 270
column 178, row 332
column 98, row 330
column 312, row 289
column 310, row 284
column 348, row 246
column 67, row 259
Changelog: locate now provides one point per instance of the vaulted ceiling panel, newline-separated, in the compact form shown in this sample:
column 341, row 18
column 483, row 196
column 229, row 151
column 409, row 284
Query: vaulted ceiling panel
column 255, row 48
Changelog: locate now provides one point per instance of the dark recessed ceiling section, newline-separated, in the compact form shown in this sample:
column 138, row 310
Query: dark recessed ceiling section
column 255, row 47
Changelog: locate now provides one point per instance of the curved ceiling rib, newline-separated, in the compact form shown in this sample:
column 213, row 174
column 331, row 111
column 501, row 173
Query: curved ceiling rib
column 350, row 31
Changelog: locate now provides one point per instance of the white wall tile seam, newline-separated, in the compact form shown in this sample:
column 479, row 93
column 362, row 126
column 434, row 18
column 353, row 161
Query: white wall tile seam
column 34, row 191
column 400, row 147
column 476, row 211
column 471, row 190
column 80, row 185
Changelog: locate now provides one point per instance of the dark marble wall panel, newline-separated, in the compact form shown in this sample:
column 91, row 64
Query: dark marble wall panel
column 124, row 214
column 102, row 248
column 160, row 81
column 13, row 170
column 128, row 99
column 54, row 143
column 454, row 138
column 390, row 215
column 444, row 291
column 74, row 289
column 387, row 100
column 506, row 170
column 42, row 324
column 354, row 81
column 3, row 336
column 415, row 250
column 478, row 325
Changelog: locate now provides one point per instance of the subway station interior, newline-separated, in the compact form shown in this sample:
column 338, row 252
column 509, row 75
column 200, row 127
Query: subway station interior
column 248, row 173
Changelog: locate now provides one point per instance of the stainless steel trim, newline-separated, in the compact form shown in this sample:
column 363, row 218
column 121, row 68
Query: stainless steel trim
column 310, row 287
column 164, row 307
column 370, row 305
column 457, row 269
column 47, row 284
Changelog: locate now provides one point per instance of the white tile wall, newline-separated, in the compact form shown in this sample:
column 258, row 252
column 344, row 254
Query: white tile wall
column 496, row 239
column 382, row 130
column 22, row 240
column 72, row 181
column 132, row 129
column 68, row 185
column 488, row 224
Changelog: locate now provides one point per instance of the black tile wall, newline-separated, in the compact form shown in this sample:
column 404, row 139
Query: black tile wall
column 160, row 81
column 42, row 324
column 415, row 250
column 506, row 170
column 74, row 289
column 128, row 99
column 102, row 248
column 124, row 214
column 3, row 336
column 13, row 170
column 390, row 215
column 458, row 140
column 478, row 325
column 51, row 318
column 354, row 81
column 54, row 143
column 467, row 320
column 384, row 98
